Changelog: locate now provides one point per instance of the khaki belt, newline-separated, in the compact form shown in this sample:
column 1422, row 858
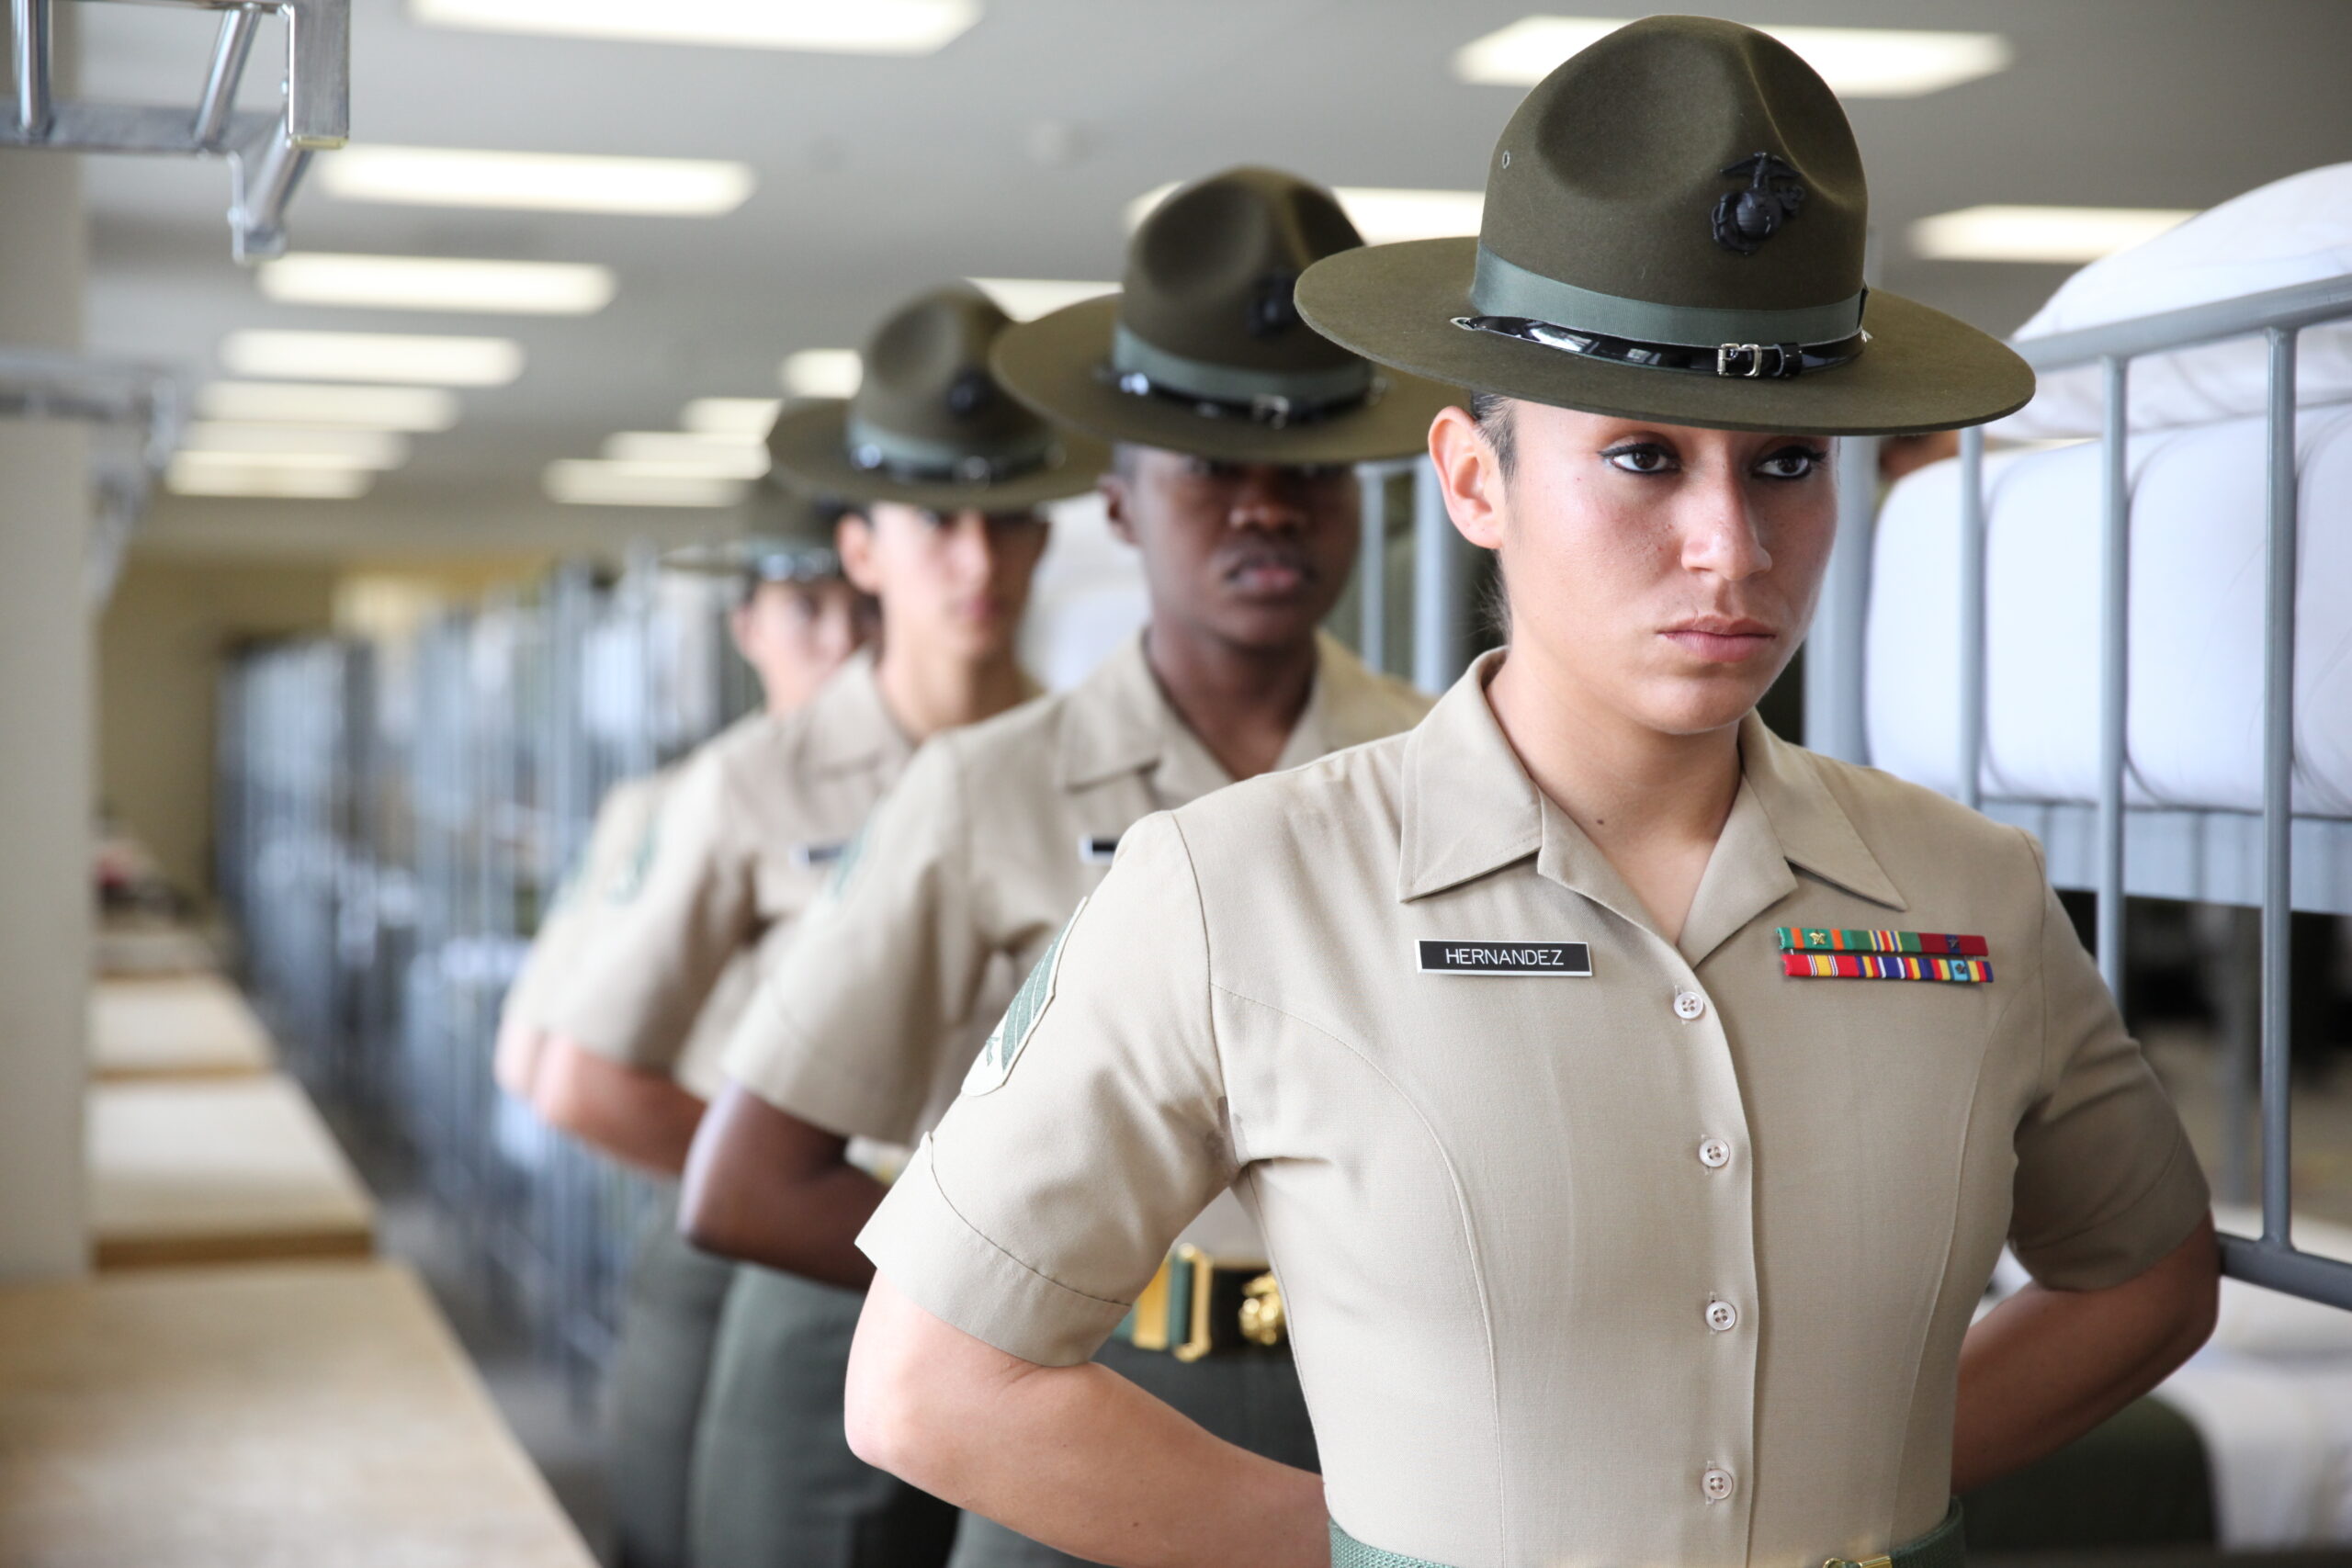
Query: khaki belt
column 1939, row 1548
column 1198, row 1304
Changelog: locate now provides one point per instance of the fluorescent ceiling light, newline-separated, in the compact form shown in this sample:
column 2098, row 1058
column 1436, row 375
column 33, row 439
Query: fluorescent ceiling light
column 374, row 356
column 546, row 182
column 439, row 282
column 821, row 373
column 2039, row 233
column 1382, row 214
column 590, row 481
column 831, row 27
column 1026, row 298
column 346, row 447
column 721, row 457
column 1857, row 62
column 205, row 473
column 731, row 416
column 358, row 407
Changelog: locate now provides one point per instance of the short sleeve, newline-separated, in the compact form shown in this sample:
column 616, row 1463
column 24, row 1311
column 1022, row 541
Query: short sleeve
column 619, row 840
column 1090, row 1131
column 654, row 960
column 2106, row 1182
column 848, row 1026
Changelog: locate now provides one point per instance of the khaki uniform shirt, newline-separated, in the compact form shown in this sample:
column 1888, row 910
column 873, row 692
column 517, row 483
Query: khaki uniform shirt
column 1664, row 1264
column 874, row 1011
column 749, row 834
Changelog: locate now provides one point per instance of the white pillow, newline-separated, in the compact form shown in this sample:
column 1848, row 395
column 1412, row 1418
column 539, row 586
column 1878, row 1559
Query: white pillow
column 2298, row 230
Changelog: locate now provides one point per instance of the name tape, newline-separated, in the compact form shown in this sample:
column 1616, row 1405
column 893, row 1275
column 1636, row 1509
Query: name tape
column 1569, row 959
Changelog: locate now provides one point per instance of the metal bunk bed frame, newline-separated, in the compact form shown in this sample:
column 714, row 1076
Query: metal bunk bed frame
column 2228, row 857
column 267, row 152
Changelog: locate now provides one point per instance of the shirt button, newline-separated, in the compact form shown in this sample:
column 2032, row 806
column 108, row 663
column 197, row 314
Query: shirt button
column 1722, row 1315
column 1713, row 1152
column 1689, row 1004
column 1715, row 1482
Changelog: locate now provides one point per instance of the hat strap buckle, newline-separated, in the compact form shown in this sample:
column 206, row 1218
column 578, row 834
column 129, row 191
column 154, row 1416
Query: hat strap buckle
column 1729, row 356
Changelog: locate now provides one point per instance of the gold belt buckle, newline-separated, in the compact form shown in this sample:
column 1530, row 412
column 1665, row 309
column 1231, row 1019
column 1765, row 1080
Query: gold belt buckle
column 1879, row 1561
column 1262, row 1318
column 1197, row 1342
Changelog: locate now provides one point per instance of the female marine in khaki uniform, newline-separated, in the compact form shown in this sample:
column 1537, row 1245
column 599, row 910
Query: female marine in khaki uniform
column 796, row 619
column 1248, row 524
column 1630, row 1169
column 946, row 473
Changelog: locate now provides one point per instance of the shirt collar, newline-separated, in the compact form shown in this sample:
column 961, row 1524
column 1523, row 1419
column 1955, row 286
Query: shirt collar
column 848, row 726
column 1121, row 722
column 1470, row 809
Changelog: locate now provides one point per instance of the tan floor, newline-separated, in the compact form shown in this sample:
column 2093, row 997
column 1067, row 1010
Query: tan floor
column 219, row 1170
column 175, row 1026
column 298, row 1416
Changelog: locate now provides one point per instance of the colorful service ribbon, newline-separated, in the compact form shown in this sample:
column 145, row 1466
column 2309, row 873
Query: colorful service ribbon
column 1813, row 939
column 1885, row 966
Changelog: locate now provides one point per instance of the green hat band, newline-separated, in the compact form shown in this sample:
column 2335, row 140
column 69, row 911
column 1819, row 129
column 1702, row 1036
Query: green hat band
column 915, row 460
column 1270, row 397
column 1504, row 288
column 792, row 563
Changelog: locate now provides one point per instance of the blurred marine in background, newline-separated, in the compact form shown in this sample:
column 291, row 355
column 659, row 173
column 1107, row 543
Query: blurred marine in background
column 1236, row 431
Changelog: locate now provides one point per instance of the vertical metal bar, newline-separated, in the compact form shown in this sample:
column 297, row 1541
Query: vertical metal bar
column 1833, row 649
column 2277, row 789
column 318, row 72
column 29, row 19
column 1371, row 567
column 230, row 47
column 1972, row 546
column 1437, row 610
column 264, row 184
column 2114, row 671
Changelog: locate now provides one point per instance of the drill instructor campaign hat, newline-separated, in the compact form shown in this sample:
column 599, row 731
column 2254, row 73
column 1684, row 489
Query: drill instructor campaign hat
column 929, row 427
column 779, row 533
column 1674, row 230
column 1202, row 350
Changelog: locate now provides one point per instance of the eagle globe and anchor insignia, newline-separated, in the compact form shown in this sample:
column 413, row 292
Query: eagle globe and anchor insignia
column 1744, row 219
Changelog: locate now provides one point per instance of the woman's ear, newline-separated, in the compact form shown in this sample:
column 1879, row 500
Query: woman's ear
column 1470, row 477
column 854, row 542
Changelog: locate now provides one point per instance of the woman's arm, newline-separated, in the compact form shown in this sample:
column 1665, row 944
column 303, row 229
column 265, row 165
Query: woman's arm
column 640, row 1117
column 763, row 1185
column 1076, row 1456
column 2046, row 1366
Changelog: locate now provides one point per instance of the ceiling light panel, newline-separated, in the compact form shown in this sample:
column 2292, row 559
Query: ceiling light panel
column 204, row 473
column 722, row 456
column 1026, row 298
column 439, row 282
column 294, row 443
column 2039, row 233
column 731, row 416
column 590, row 481
column 1857, row 62
column 417, row 409
column 1382, row 214
column 829, row 27
column 373, row 357
column 821, row 373
column 541, row 182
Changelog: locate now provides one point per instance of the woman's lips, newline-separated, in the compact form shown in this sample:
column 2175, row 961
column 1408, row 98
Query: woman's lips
column 1722, row 642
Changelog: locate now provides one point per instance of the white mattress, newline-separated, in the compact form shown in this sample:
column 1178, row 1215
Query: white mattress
column 2195, row 731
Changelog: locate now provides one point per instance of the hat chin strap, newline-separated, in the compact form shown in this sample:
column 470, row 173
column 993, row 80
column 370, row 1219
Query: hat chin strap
column 1515, row 302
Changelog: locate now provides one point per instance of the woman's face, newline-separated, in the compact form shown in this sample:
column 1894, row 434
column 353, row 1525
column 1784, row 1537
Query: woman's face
column 1664, row 571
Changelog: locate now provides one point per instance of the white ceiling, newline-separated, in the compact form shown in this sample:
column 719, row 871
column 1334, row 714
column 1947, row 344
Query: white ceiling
column 1011, row 152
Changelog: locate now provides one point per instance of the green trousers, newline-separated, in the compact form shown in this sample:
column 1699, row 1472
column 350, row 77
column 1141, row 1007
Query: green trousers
column 774, row 1484
column 659, row 1369
column 1250, row 1398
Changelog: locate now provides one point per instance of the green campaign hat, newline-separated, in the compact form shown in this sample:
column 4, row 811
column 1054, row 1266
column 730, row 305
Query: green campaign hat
column 779, row 533
column 929, row 427
column 1203, row 351
column 1674, row 230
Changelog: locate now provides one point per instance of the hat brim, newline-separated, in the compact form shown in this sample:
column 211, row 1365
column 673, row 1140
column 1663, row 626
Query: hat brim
column 1056, row 365
column 1920, row 371
column 770, row 559
column 810, row 446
